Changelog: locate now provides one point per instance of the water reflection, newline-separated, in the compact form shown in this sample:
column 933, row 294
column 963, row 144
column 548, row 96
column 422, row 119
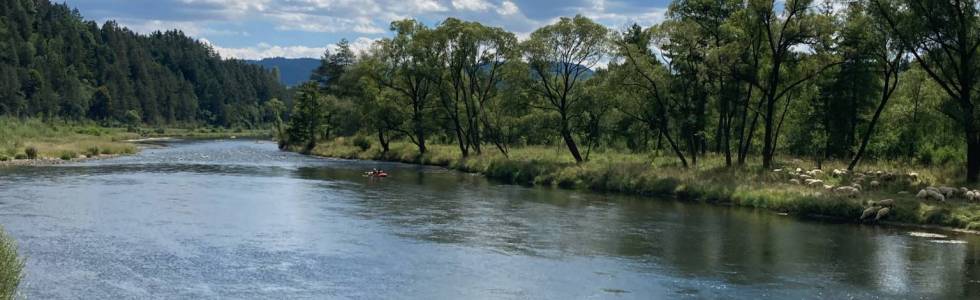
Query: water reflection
column 239, row 219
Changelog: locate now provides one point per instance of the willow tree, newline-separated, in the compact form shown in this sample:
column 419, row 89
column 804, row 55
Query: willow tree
column 944, row 38
column 786, row 31
column 406, row 64
column 888, row 58
column 561, row 55
column 471, row 71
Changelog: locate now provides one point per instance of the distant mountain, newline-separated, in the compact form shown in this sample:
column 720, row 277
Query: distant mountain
column 292, row 71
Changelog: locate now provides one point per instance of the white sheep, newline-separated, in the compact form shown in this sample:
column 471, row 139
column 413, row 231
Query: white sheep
column 914, row 176
column 931, row 193
column 848, row 191
column 794, row 181
column 839, row 172
column 971, row 195
column 874, row 183
column 814, row 182
column 828, row 187
column 947, row 191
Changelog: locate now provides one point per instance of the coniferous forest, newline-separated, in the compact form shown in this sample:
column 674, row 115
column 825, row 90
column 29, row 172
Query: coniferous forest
column 56, row 65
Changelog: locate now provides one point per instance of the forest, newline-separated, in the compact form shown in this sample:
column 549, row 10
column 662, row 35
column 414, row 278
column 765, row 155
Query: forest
column 757, row 80
column 55, row 65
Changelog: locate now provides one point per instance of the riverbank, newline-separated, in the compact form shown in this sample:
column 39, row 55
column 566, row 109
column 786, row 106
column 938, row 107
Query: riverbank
column 11, row 267
column 36, row 142
column 660, row 176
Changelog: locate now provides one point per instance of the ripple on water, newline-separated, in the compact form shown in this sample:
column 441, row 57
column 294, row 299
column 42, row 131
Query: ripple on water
column 927, row 235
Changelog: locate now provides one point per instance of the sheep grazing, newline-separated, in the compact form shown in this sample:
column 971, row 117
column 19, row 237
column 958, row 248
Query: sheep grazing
column 882, row 213
column 794, row 181
column 887, row 202
column 828, row 187
column 848, row 191
column 814, row 182
column 857, row 186
column 777, row 170
column 868, row 212
column 971, row 195
column 839, row 172
column 947, row 191
column 928, row 193
column 804, row 176
column 799, row 170
column 874, row 183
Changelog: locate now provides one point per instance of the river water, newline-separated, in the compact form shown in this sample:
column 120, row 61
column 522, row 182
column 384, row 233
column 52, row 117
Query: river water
column 239, row 219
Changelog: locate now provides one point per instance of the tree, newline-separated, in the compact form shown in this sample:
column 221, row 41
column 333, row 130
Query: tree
column 560, row 56
column 471, row 69
column 794, row 27
column 944, row 37
column 406, row 64
column 306, row 123
column 889, row 57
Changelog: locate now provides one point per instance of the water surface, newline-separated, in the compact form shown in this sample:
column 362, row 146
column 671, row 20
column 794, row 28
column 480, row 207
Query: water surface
column 239, row 219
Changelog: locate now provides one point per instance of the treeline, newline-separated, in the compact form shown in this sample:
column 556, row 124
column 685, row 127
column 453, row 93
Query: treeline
column 56, row 65
column 746, row 80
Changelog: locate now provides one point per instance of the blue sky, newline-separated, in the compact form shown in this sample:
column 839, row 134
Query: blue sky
column 305, row 28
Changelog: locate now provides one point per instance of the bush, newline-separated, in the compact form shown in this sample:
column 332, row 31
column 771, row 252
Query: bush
column 4, row 158
column 30, row 152
column 159, row 131
column 362, row 142
column 10, row 267
column 20, row 156
column 68, row 155
column 93, row 151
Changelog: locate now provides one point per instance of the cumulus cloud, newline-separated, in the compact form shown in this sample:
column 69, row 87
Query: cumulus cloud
column 295, row 28
column 265, row 50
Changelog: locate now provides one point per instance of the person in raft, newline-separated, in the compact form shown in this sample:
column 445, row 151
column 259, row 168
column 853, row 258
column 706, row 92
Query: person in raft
column 377, row 173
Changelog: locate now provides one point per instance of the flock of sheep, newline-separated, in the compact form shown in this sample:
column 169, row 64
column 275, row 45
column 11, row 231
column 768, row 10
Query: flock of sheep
column 855, row 182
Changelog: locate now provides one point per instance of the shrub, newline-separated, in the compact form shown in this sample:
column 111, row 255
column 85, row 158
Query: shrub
column 4, row 158
column 20, row 156
column 93, row 131
column 362, row 142
column 159, row 131
column 68, row 155
column 93, row 151
column 10, row 267
column 31, row 152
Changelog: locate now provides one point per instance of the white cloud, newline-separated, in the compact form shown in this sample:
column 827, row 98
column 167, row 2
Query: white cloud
column 265, row 50
column 508, row 8
column 189, row 28
column 474, row 5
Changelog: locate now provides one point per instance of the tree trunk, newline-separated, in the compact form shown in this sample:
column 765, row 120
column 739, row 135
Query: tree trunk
column 383, row 140
column 566, row 134
column 767, row 146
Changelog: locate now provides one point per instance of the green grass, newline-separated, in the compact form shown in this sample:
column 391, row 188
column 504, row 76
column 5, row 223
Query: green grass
column 11, row 267
column 660, row 175
column 60, row 139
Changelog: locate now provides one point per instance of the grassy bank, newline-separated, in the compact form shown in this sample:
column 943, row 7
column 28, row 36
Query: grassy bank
column 10, row 267
column 73, row 140
column 709, row 182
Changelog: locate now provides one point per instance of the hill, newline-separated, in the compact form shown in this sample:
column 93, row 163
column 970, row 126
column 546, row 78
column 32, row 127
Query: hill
column 292, row 71
column 56, row 64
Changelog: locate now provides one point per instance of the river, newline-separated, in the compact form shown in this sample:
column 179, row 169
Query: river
column 240, row 219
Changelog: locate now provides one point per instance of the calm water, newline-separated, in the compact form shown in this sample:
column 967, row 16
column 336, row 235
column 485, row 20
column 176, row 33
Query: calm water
column 239, row 219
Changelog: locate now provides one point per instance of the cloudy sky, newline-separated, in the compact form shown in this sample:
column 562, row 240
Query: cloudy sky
column 304, row 28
